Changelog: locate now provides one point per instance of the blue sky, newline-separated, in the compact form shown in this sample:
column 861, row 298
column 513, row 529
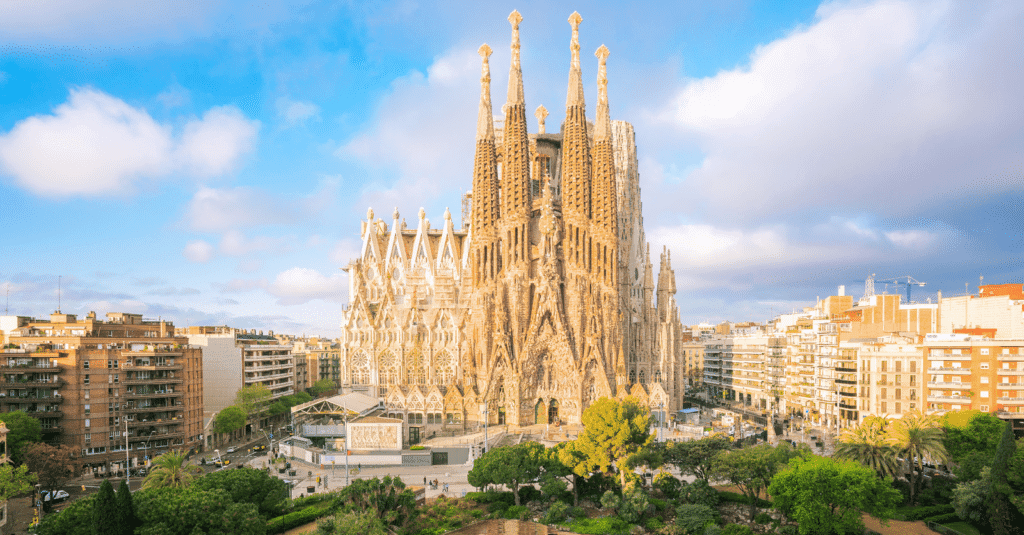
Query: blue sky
column 208, row 162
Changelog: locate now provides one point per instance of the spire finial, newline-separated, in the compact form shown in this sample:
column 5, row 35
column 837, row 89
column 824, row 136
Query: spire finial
column 447, row 214
column 394, row 215
column 515, row 77
column 540, row 114
column 575, row 97
column 423, row 213
column 369, row 214
column 485, row 119
column 603, row 123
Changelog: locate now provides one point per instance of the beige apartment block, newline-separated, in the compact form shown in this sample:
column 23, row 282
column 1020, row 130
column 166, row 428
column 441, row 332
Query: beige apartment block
column 998, row 306
column 744, row 368
column 891, row 373
column 89, row 381
column 693, row 363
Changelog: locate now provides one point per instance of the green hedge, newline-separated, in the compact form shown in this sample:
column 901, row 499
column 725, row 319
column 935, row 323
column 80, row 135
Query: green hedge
column 736, row 497
column 286, row 522
column 947, row 518
column 920, row 513
column 609, row 525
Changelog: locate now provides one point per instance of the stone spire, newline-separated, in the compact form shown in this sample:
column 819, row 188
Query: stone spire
column 575, row 94
column 515, row 72
column 540, row 114
column 485, row 120
column 602, row 125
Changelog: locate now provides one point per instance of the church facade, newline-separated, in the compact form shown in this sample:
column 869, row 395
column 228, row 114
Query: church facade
column 543, row 303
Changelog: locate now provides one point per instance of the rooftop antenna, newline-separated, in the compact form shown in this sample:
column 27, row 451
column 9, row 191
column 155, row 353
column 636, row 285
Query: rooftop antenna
column 7, row 305
column 58, row 293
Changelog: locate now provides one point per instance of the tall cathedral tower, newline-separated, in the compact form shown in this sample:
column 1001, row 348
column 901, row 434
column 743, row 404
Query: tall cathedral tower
column 545, row 303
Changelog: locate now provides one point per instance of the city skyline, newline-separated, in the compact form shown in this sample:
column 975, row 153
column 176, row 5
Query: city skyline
column 783, row 151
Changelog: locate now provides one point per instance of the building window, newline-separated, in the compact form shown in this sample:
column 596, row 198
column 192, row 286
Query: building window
column 984, row 393
column 913, row 366
column 984, row 408
column 984, row 379
column 85, row 379
column 984, row 351
column 884, row 408
column 984, row 365
column 87, row 407
column 87, row 422
column 88, row 437
column 85, row 364
column 898, row 407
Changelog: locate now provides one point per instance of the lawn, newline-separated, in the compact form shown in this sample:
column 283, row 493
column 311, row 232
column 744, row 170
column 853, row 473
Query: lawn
column 963, row 527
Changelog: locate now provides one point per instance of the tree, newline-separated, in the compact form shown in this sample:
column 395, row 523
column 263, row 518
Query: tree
column 387, row 499
column 127, row 520
column 827, row 496
column 104, row 511
column 229, row 419
column 695, row 457
column 752, row 469
column 869, row 444
column 254, row 401
column 614, row 431
column 55, row 465
column 249, row 485
column 971, row 438
column 322, row 387
column 75, row 519
column 14, row 480
column 918, row 438
column 1004, row 518
column 189, row 511
column 511, row 466
column 693, row 519
column 22, row 430
column 171, row 470
column 970, row 498
column 566, row 460
column 285, row 403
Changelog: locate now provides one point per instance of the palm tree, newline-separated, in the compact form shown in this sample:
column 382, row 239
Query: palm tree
column 869, row 444
column 918, row 438
column 171, row 470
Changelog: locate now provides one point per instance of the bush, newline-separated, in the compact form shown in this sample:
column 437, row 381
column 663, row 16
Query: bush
column 700, row 493
column 940, row 492
column 668, row 485
column 737, row 529
column 528, row 494
column 713, row 529
column 492, row 496
column 654, row 524
column 593, row 487
column 578, row 512
column 735, row 497
column 417, row 448
column 659, row 505
column 904, row 488
column 763, row 518
column 692, row 519
column 295, row 519
column 517, row 512
column 498, row 507
column 634, row 505
column 610, row 500
column 609, row 525
column 944, row 519
column 556, row 513
column 920, row 513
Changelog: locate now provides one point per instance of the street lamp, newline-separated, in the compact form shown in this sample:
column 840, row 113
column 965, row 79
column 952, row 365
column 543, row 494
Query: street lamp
column 661, row 421
column 483, row 411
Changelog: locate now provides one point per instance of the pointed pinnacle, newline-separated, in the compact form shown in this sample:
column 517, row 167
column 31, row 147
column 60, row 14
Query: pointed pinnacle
column 515, row 18
column 540, row 114
column 515, row 78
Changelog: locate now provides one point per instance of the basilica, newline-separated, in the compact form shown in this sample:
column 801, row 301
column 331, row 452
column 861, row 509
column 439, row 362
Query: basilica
column 541, row 301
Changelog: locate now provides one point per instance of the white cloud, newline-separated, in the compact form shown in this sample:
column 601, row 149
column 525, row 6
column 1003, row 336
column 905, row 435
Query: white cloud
column 344, row 251
column 295, row 112
column 234, row 243
column 881, row 106
column 96, row 144
column 174, row 96
column 198, row 251
column 214, row 145
column 300, row 285
column 218, row 210
column 433, row 119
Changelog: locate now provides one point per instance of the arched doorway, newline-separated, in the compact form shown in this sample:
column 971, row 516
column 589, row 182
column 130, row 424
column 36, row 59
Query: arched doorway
column 540, row 412
column 501, row 415
column 553, row 411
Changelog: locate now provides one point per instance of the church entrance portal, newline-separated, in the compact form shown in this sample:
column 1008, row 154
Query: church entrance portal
column 540, row 413
column 553, row 411
column 501, row 415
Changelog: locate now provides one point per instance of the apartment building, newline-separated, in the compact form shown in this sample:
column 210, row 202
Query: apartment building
column 972, row 372
column 736, row 369
column 89, row 382
column 997, row 306
column 693, row 364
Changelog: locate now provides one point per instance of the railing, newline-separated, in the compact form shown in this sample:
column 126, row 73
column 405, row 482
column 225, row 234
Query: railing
column 1009, row 372
column 935, row 384
column 1018, row 357
column 964, row 371
column 150, row 395
column 1011, row 401
column 952, row 399
column 1010, row 386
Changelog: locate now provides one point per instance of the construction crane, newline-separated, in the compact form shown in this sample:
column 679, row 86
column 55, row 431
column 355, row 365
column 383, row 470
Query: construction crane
column 905, row 280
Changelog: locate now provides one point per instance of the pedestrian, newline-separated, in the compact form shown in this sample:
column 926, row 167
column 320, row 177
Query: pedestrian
column 424, row 481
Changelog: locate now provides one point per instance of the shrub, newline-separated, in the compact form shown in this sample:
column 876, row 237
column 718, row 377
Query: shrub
column 737, row 529
column 713, row 529
column 659, row 505
column 529, row 493
column 417, row 448
column 700, row 493
column 578, row 512
column 492, row 496
column 763, row 518
column 654, row 524
column 693, row 518
column 939, row 493
column 517, row 512
column 668, row 485
column 919, row 513
column 609, row 525
column 498, row 507
column 634, row 505
column 735, row 497
column 944, row 519
column 610, row 500
column 556, row 513
column 295, row 519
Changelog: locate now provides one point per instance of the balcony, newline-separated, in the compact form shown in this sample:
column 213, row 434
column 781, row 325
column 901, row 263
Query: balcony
column 144, row 438
column 846, row 381
column 154, row 353
column 152, row 395
column 1010, row 386
column 844, row 369
column 152, row 367
column 151, row 422
column 1010, row 372
column 850, row 406
column 954, row 371
column 153, row 381
column 936, row 384
column 1018, row 358
column 951, row 399
column 45, row 414
column 31, row 399
column 950, row 357
column 1010, row 401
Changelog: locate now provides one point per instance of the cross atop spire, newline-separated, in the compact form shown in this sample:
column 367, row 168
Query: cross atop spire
column 575, row 96
column 515, row 76
column 540, row 114
column 485, row 120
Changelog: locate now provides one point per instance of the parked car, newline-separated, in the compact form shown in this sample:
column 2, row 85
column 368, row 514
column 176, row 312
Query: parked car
column 231, row 449
column 55, row 496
